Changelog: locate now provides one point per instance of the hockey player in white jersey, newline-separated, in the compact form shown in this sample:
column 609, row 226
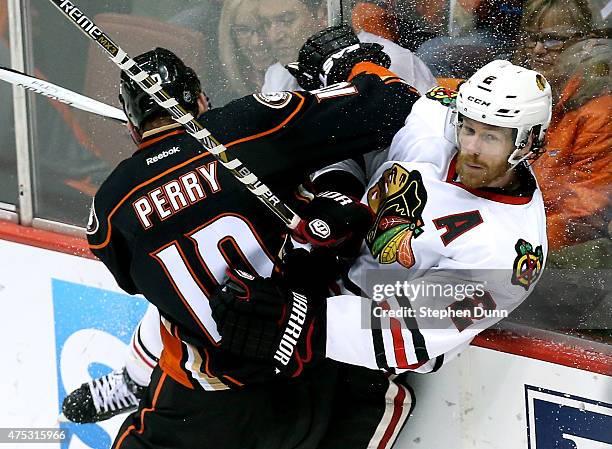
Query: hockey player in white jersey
column 457, row 207
column 459, row 239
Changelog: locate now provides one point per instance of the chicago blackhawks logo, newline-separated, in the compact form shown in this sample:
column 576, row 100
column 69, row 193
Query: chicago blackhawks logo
column 527, row 266
column 443, row 95
column 398, row 200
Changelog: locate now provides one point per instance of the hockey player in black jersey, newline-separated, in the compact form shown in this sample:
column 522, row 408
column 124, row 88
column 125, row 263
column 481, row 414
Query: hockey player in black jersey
column 169, row 221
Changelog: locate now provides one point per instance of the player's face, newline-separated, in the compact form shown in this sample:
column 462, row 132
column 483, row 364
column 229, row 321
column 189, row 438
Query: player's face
column 287, row 24
column 483, row 153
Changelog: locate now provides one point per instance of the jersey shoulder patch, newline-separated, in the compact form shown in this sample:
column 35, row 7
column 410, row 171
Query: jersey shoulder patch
column 442, row 95
column 274, row 100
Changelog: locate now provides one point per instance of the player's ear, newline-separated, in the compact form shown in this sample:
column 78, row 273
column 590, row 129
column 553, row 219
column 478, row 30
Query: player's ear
column 203, row 104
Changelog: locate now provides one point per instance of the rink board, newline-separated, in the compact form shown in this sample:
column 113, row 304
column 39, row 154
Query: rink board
column 65, row 320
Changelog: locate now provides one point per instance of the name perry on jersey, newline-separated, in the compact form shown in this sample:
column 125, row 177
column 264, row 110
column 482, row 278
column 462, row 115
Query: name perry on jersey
column 177, row 194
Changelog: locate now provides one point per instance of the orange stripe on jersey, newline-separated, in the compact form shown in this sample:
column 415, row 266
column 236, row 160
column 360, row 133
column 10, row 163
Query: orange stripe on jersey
column 276, row 128
column 231, row 379
column 144, row 145
column 374, row 69
column 142, row 413
column 171, row 356
column 139, row 186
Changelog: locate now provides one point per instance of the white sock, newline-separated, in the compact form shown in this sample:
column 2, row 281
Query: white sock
column 145, row 348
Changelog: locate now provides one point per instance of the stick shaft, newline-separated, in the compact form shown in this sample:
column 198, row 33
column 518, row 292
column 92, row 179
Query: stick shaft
column 153, row 88
column 61, row 94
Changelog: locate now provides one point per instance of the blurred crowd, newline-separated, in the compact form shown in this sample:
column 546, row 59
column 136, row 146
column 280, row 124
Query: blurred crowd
column 241, row 46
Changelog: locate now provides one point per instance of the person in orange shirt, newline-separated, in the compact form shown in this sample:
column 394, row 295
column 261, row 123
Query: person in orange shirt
column 575, row 173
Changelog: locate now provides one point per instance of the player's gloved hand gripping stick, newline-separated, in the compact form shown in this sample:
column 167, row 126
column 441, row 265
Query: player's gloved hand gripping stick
column 193, row 127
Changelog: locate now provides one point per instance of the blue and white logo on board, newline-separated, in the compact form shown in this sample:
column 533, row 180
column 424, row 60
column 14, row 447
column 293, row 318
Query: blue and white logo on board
column 562, row 421
column 93, row 328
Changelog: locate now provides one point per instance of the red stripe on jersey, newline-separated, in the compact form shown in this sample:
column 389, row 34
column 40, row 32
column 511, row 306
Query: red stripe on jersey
column 398, row 407
column 398, row 343
column 142, row 357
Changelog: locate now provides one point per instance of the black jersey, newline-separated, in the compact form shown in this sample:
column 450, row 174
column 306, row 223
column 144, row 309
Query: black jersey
column 169, row 220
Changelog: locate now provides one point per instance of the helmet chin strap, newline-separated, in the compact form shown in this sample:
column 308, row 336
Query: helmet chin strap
column 512, row 158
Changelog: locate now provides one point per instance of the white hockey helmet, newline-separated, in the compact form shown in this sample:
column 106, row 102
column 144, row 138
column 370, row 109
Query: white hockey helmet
column 506, row 95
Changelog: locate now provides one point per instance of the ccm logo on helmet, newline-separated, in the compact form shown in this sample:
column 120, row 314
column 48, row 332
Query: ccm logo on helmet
column 163, row 154
column 479, row 101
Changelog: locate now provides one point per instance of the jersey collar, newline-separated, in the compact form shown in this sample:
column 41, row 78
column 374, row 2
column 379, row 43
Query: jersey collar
column 521, row 196
column 157, row 134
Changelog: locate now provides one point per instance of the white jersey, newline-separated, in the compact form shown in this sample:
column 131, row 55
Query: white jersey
column 464, row 258
column 404, row 64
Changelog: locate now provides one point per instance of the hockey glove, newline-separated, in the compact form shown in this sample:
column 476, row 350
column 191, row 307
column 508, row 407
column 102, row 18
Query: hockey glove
column 334, row 220
column 260, row 320
column 328, row 57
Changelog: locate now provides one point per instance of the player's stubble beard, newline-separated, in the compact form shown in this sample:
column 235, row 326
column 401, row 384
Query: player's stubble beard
column 477, row 178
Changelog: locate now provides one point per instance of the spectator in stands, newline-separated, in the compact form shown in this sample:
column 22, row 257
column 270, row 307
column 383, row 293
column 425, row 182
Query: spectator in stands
column 375, row 17
column 243, row 49
column 289, row 22
column 575, row 173
column 478, row 32
column 204, row 18
column 579, row 144
column 548, row 27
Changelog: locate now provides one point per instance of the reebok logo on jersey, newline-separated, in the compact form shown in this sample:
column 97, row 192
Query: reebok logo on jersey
column 163, row 154
column 299, row 309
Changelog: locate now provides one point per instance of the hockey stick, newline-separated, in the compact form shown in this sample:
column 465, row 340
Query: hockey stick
column 154, row 89
column 61, row 94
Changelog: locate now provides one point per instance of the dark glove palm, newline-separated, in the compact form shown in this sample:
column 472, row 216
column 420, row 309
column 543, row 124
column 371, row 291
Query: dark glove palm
column 328, row 57
column 259, row 320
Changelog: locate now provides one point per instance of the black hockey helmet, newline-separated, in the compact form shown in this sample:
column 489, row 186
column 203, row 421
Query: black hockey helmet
column 176, row 79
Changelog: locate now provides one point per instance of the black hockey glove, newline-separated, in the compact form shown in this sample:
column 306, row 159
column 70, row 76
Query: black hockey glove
column 334, row 220
column 328, row 57
column 260, row 320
